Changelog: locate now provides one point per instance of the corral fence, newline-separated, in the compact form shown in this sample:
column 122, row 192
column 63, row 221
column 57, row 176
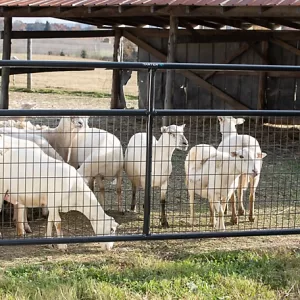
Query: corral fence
column 277, row 203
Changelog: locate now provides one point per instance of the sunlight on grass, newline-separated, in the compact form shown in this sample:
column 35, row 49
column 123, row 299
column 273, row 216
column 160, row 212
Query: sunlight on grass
column 60, row 91
column 218, row 275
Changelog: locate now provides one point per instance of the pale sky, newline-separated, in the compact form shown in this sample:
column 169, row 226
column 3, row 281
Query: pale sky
column 43, row 20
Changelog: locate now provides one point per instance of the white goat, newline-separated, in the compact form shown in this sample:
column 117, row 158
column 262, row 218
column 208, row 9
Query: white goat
column 162, row 150
column 232, row 141
column 99, row 155
column 214, row 175
column 33, row 179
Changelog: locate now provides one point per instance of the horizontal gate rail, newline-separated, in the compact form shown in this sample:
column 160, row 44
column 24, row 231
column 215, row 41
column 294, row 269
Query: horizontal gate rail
column 146, row 237
column 148, row 65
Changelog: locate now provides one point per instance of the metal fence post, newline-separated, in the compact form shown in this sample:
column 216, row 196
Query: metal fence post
column 151, row 101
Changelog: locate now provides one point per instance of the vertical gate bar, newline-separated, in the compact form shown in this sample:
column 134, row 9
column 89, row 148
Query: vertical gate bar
column 151, row 100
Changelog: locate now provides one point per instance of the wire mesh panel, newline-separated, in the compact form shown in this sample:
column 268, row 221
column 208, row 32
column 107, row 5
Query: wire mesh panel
column 84, row 170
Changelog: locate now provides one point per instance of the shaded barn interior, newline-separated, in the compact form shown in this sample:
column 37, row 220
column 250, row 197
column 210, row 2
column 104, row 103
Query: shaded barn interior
column 280, row 90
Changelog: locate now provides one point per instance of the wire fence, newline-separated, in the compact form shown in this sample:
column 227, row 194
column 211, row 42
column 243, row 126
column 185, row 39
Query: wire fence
column 106, row 165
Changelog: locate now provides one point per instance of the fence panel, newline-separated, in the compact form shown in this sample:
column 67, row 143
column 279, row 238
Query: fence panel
column 30, row 177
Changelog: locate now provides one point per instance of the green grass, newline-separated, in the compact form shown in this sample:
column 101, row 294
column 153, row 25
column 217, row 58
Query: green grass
column 60, row 91
column 217, row 275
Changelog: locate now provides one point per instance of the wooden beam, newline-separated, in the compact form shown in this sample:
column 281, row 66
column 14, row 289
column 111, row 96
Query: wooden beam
column 259, row 53
column 234, row 55
column 211, row 36
column 186, row 23
column 171, row 57
column 262, row 82
column 229, row 22
column 4, row 100
column 188, row 74
column 116, row 78
column 260, row 22
column 285, row 22
column 59, row 34
column 285, row 46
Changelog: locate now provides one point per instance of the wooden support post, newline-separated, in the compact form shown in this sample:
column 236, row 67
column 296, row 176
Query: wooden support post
column 4, row 102
column 171, row 57
column 29, row 57
column 116, row 77
column 262, row 82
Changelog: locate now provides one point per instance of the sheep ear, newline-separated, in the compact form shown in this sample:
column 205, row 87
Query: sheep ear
column 233, row 154
column 183, row 126
column 239, row 121
column 221, row 119
column 261, row 155
column 164, row 129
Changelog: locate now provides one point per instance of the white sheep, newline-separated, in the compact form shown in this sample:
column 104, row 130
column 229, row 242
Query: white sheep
column 99, row 155
column 60, row 137
column 30, row 136
column 214, row 175
column 15, row 143
column 33, row 179
column 232, row 141
column 172, row 138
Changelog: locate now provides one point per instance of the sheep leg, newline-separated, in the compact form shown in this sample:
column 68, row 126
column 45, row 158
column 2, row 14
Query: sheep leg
column 163, row 218
column 26, row 225
column 119, row 189
column 253, row 185
column 241, row 210
column 212, row 214
column 133, row 199
column 45, row 211
column 54, row 218
column 192, row 202
column 19, row 209
column 101, row 186
column 234, row 218
column 218, row 206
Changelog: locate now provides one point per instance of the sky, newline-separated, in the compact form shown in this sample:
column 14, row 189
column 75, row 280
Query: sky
column 43, row 20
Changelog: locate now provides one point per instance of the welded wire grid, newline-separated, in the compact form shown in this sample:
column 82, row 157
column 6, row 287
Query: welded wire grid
column 276, row 198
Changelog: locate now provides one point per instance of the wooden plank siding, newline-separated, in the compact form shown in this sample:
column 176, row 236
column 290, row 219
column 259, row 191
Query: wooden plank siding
column 281, row 91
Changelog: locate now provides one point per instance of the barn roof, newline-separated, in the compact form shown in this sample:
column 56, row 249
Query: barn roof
column 78, row 3
column 214, row 14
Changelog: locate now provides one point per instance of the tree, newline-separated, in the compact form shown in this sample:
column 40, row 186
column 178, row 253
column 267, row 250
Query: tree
column 83, row 54
column 47, row 26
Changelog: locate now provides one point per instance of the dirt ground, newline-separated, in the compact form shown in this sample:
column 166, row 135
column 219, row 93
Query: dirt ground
column 277, row 198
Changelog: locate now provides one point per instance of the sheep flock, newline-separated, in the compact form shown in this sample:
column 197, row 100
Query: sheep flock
column 56, row 169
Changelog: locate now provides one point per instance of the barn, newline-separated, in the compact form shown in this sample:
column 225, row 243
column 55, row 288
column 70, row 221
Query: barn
column 243, row 32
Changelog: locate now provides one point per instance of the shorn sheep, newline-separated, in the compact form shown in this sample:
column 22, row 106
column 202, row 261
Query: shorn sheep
column 99, row 155
column 232, row 141
column 214, row 175
column 30, row 178
column 61, row 137
column 172, row 138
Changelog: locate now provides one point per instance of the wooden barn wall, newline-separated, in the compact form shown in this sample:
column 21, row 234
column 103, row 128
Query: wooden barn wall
column 281, row 93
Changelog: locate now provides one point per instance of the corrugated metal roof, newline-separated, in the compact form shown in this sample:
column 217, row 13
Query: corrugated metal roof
column 78, row 3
